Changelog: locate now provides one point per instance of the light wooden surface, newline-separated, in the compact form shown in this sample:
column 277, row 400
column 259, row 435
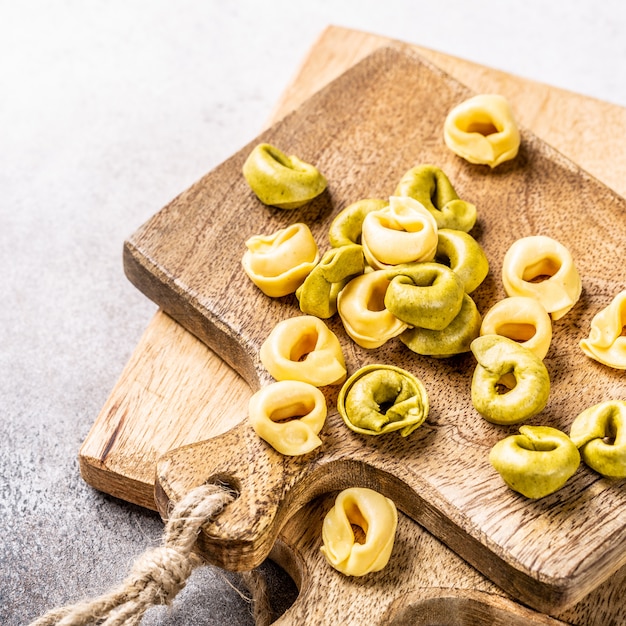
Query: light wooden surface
column 119, row 454
column 187, row 258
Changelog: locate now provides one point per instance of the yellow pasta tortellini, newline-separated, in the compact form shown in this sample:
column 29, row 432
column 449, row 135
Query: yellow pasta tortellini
column 375, row 515
column 522, row 319
column 282, row 181
column 402, row 232
column 278, row 264
column 606, row 342
column 288, row 414
column 379, row 399
column 318, row 293
column 482, row 130
column 304, row 348
column 430, row 186
column 361, row 307
column 600, row 434
column 542, row 268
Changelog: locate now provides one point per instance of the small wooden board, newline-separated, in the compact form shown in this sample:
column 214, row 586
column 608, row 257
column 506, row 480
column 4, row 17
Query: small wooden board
column 364, row 130
column 167, row 394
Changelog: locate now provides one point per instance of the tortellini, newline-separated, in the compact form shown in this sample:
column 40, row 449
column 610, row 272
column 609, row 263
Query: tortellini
column 304, row 348
column 379, row 399
column 288, row 415
column 600, row 434
column 401, row 232
column 430, row 186
column 346, row 228
column 428, row 295
column 282, row 181
column 537, row 462
column 375, row 515
column 606, row 342
column 278, row 264
column 361, row 307
column 464, row 256
column 455, row 338
column 542, row 268
column 483, row 130
column 497, row 358
column 318, row 293
column 522, row 319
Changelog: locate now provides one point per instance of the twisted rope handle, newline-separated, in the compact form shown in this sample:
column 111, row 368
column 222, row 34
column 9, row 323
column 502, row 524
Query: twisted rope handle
column 160, row 573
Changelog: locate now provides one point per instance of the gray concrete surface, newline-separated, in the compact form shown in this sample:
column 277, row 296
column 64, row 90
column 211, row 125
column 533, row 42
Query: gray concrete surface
column 107, row 111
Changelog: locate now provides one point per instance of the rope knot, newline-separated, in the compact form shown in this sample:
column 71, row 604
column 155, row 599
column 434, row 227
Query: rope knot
column 163, row 571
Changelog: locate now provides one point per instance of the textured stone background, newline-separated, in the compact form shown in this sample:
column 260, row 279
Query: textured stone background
column 108, row 109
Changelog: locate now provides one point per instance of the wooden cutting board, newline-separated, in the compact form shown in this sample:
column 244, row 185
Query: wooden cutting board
column 122, row 448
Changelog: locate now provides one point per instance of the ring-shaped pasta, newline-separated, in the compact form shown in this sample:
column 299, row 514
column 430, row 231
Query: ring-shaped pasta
column 606, row 342
column 304, row 348
column 499, row 357
column 346, row 228
column 430, row 186
column 379, row 399
column 402, row 232
column 522, row 319
column 278, row 264
column 318, row 293
column 464, row 256
column 427, row 295
column 455, row 338
column 289, row 415
column 540, row 267
column 361, row 307
column 600, row 434
column 375, row 515
column 537, row 462
column 282, row 181
column 482, row 130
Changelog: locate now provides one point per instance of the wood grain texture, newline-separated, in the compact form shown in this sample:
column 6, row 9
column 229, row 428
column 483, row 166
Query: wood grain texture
column 187, row 258
column 119, row 454
column 423, row 581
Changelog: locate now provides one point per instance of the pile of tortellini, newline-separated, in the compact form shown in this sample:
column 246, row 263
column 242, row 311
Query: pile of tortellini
column 406, row 267
column 403, row 267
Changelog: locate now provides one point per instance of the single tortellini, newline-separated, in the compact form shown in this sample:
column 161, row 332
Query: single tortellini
column 483, row 130
column 402, row 232
column 361, row 307
column 542, row 268
column 600, row 434
column 282, row 181
column 289, row 415
column 429, row 185
column 464, row 256
column 498, row 358
column 318, row 293
column 606, row 342
column 427, row 295
column 304, row 348
column 537, row 462
column 522, row 319
column 379, row 399
column 278, row 264
column 455, row 338
column 375, row 515
column 346, row 228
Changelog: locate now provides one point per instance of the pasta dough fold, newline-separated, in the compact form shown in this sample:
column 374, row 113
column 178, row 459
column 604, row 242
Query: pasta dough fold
column 606, row 342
